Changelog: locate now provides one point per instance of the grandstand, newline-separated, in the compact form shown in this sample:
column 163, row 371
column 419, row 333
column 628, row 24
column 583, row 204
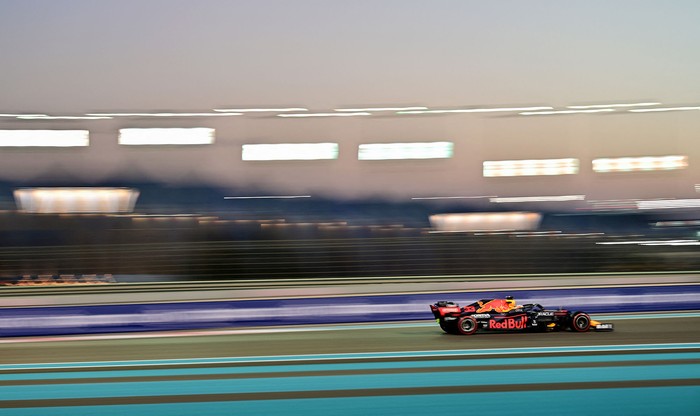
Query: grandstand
column 167, row 237
column 274, row 191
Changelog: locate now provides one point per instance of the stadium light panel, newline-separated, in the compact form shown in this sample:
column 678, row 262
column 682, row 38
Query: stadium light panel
column 397, row 151
column 44, row 138
column 290, row 151
column 76, row 200
column 639, row 164
column 485, row 221
column 167, row 136
column 536, row 167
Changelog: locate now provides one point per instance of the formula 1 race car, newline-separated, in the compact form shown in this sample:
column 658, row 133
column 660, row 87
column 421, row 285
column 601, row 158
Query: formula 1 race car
column 505, row 315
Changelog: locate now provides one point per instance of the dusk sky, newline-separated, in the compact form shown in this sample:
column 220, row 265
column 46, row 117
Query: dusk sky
column 76, row 57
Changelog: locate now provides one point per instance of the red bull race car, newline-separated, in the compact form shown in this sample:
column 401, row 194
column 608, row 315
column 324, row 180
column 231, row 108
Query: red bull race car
column 506, row 315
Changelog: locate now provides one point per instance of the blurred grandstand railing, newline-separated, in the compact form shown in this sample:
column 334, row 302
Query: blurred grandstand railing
column 413, row 255
column 51, row 279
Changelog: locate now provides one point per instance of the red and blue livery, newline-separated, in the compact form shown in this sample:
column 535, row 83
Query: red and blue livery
column 506, row 315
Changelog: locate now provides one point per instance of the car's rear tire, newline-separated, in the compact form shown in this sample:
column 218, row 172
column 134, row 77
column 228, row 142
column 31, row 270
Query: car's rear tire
column 580, row 322
column 467, row 325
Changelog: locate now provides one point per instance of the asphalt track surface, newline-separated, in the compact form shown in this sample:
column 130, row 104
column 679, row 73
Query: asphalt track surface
column 393, row 368
column 417, row 336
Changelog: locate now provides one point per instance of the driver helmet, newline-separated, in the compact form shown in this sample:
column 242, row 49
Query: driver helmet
column 510, row 301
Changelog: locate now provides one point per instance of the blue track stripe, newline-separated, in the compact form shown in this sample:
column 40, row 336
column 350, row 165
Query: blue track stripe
column 501, row 362
column 130, row 317
column 368, row 381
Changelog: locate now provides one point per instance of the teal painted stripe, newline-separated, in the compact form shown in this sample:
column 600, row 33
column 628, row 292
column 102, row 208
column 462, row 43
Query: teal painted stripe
column 349, row 382
column 625, row 401
column 358, row 356
column 497, row 362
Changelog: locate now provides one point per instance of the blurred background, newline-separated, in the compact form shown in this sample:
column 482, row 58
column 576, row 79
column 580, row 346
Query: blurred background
column 247, row 203
column 159, row 140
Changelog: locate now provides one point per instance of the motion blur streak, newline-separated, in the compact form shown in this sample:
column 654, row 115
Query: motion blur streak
column 583, row 107
column 361, row 113
column 163, row 114
column 46, row 117
column 474, row 110
column 556, row 198
column 549, row 113
column 268, row 197
column 257, row 110
column 372, row 109
column 650, row 110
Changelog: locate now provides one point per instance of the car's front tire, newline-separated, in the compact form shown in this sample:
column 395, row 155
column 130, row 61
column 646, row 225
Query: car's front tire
column 580, row 322
column 467, row 325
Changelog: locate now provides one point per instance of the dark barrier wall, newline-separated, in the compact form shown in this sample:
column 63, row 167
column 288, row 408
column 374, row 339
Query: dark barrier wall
column 246, row 313
column 352, row 256
column 380, row 242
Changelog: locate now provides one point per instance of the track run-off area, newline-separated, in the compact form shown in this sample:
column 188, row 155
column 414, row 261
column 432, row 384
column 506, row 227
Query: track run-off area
column 649, row 365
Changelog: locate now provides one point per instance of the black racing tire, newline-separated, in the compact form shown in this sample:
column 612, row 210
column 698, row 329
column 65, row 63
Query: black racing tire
column 580, row 322
column 449, row 327
column 467, row 325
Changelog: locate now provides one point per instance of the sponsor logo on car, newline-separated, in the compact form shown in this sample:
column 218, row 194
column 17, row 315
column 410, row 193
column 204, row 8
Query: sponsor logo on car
column 481, row 316
column 545, row 314
column 509, row 323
